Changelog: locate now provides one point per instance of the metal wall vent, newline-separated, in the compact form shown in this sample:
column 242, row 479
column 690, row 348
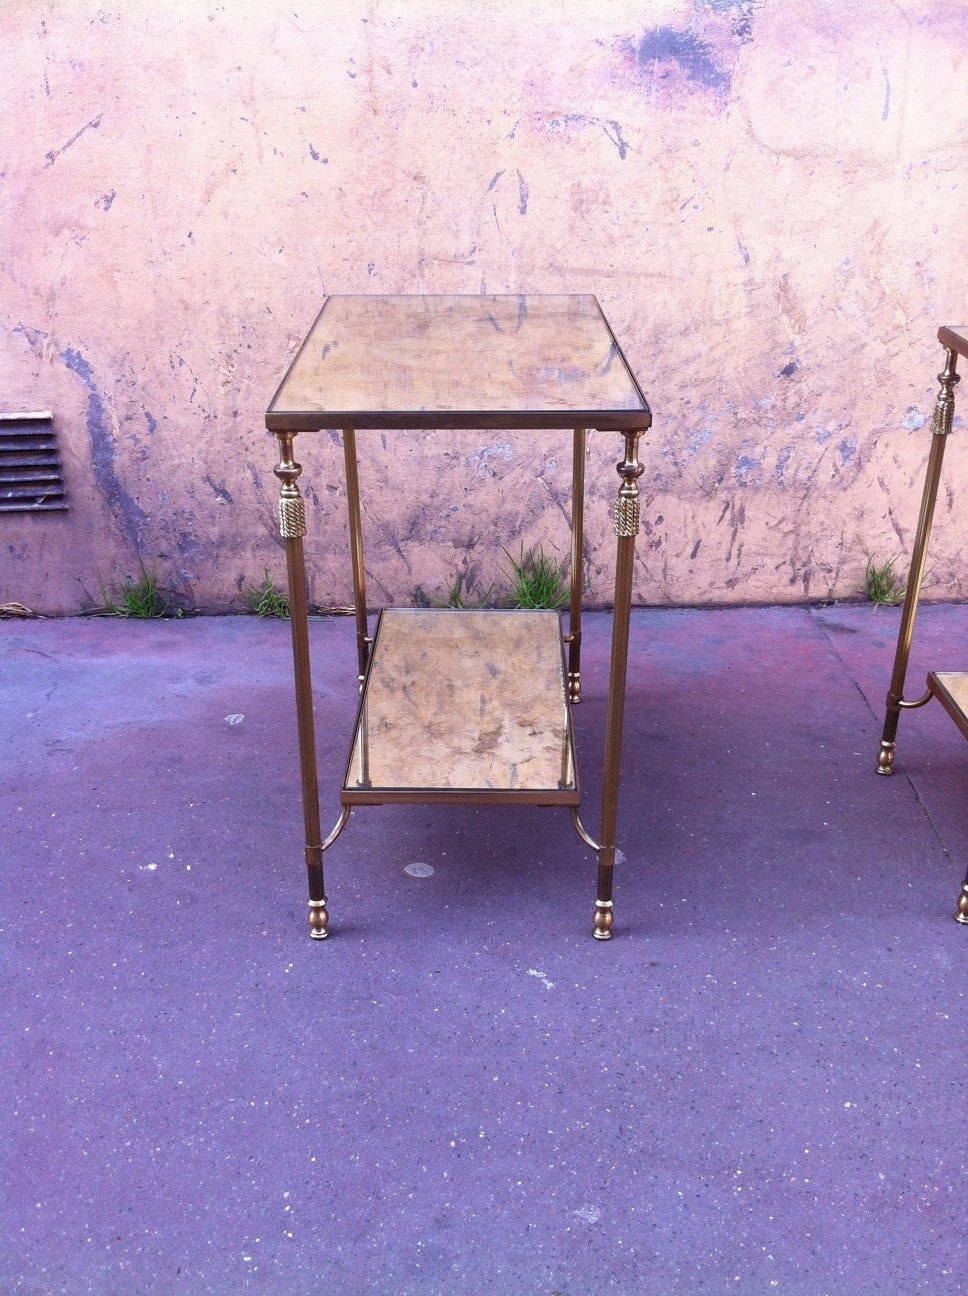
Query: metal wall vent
column 31, row 478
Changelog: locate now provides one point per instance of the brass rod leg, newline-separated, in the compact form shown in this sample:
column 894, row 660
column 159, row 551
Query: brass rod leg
column 356, row 549
column 943, row 416
column 577, row 564
column 626, row 529
column 292, row 524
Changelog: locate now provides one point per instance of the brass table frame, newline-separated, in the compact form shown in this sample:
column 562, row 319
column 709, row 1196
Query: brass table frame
column 951, row 689
column 285, row 421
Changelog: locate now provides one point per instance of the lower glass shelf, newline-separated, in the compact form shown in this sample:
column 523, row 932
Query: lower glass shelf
column 464, row 706
column 951, row 690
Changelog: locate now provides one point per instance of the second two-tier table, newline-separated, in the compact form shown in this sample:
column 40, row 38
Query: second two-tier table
column 462, row 706
column 949, row 687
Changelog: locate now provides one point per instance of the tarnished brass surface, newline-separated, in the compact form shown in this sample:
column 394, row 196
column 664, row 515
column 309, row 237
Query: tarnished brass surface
column 292, row 509
column 463, row 703
column 573, row 638
column 287, row 470
column 941, row 426
column 630, row 470
column 626, row 517
column 292, row 519
column 356, row 549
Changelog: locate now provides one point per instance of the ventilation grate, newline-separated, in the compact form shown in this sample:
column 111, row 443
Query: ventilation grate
column 31, row 479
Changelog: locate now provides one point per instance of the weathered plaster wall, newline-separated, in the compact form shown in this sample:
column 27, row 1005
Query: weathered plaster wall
column 766, row 196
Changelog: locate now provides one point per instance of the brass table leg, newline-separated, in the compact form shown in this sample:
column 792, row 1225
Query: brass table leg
column 577, row 564
column 626, row 519
column 356, row 550
column 943, row 415
column 292, row 526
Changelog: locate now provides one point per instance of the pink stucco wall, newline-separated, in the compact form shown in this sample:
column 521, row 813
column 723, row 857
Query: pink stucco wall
column 766, row 196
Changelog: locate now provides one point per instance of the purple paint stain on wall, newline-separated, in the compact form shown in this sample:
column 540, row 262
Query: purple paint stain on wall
column 692, row 55
column 131, row 517
column 522, row 195
column 221, row 491
column 782, row 459
column 847, row 450
column 615, row 135
column 54, row 154
column 745, row 468
column 741, row 14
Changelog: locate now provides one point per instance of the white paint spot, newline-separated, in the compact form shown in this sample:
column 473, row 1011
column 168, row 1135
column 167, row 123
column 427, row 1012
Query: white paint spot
column 589, row 1213
column 234, row 719
column 620, row 857
column 548, row 985
column 419, row 869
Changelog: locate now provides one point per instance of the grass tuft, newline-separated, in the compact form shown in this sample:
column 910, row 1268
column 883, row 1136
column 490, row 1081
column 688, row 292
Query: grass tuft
column 140, row 597
column 457, row 597
column 537, row 581
column 267, row 601
column 881, row 582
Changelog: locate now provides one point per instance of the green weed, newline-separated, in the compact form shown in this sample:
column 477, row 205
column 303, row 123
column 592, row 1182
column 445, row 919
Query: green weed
column 537, row 581
column 881, row 582
column 139, row 597
column 267, row 601
column 457, row 598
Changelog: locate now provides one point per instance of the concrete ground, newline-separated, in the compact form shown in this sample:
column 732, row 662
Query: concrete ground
column 758, row 1086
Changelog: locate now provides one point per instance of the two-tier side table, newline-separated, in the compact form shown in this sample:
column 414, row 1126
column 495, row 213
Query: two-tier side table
column 949, row 687
column 462, row 706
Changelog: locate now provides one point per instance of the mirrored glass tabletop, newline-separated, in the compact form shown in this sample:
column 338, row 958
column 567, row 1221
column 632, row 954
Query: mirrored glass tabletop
column 464, row 705
column 459, row 362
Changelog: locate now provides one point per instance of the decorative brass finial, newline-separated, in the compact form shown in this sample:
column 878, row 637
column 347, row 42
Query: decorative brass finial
column 944, row 409
column 292, row 508
column 626, row 512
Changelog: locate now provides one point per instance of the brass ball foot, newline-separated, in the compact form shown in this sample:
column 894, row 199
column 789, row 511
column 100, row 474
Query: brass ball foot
column 885, row 758
column 961, row 913
column 602, row 929
column 318, row 919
